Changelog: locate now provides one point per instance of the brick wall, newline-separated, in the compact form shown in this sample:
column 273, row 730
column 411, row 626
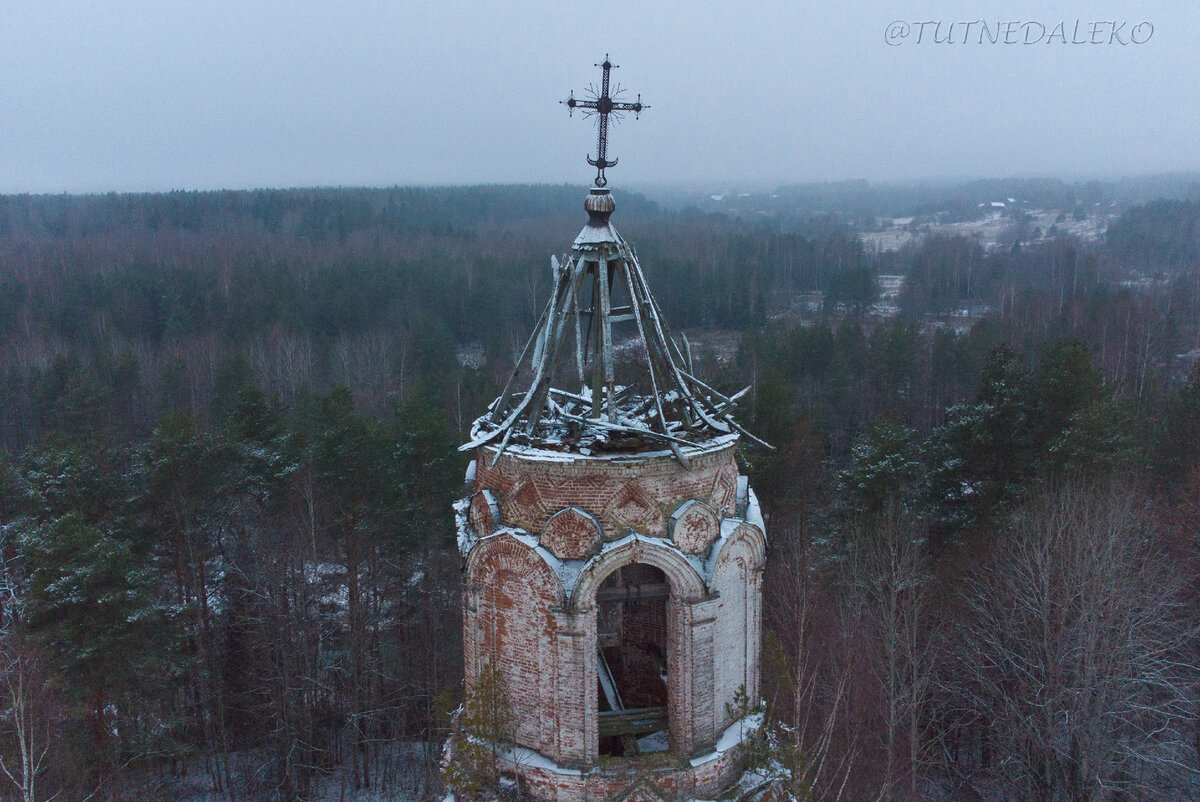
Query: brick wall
column 624, row 495
column 508, row 621
column 736, row 580
column 516, row 613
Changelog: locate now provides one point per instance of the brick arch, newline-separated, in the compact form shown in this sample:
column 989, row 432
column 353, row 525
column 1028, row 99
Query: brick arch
column 737, row 579
column 686, row 583
column 530, row 561
column 746, row 536
column 509, row 622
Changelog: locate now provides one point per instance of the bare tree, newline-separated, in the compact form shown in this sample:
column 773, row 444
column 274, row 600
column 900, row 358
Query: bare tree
column 23, row 710
column 283, row 362
column 887, row 587
column 809, row 743
column 1073, row 652
column 363, row 362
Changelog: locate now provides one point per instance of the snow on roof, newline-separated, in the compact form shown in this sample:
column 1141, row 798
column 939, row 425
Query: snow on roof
column 754, row 512
column 733, row 736
column 542, row 453
column 569, row 572
column 597, row 235
column 674, row 408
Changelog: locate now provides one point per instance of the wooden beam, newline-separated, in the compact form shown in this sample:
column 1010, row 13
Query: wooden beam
column 633, row 299
column 639, row 721
column 602, row 271
column 647, row 592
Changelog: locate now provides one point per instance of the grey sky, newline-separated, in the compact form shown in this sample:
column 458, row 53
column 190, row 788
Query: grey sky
column 109, row 95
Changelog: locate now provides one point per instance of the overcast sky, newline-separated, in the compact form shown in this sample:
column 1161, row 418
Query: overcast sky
column 103, row 95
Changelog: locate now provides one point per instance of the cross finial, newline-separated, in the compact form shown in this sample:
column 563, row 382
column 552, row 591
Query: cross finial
column 602, row 105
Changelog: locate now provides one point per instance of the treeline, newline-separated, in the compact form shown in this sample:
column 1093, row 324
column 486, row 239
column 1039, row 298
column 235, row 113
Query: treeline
column 864, row 202
column 229, row 424
column 129, row 307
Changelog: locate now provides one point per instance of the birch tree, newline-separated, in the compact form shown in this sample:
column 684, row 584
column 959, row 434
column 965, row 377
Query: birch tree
column 25, row 714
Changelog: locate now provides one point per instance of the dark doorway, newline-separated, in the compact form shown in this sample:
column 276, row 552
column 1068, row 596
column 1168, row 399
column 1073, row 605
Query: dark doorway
column 631, row 610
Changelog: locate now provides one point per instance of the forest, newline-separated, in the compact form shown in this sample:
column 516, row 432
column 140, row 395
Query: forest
column 228, row 451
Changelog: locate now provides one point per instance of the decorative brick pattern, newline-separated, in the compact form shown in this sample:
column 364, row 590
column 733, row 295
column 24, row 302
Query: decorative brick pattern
column 571, row 534
column 633, row 509
column 531, row 490
column 694, row 527
column 644, row 791
column 525, row 503
column 724, row 491
column 535, row 618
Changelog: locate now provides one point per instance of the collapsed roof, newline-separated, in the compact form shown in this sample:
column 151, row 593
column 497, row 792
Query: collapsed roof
column 664, row 406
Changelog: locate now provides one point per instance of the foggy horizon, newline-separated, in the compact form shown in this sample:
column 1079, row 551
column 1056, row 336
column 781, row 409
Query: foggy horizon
column 133, row 97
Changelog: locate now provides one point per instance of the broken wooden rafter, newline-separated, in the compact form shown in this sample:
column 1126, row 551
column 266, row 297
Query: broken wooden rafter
column 680, row 410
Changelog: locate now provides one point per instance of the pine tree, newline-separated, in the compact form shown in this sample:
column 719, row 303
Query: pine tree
column 91, row 607
column 483, row 731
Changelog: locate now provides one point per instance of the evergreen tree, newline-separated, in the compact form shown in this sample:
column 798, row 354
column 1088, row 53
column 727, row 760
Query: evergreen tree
column 1178, row 447
column 887, row 470
column 91, row 606
column 985, row 452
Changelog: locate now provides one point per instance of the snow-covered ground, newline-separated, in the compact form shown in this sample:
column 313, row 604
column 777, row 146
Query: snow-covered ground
column 995, row 229
column 400, row 771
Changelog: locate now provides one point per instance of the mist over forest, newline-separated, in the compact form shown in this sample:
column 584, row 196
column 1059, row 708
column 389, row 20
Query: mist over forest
column 228, row 451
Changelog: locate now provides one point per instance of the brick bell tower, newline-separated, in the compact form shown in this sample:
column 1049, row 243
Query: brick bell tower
column 613, row 554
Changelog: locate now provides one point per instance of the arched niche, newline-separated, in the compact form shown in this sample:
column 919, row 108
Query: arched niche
column 686, row 584
column 685, row 616
column 737, row 582
column 512, row 549
column 747, row 536
column 511, row 594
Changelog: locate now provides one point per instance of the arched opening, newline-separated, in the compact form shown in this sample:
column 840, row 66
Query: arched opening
column 631, row 629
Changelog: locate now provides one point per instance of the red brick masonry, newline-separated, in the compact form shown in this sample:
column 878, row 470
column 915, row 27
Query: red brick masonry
column 539, row 532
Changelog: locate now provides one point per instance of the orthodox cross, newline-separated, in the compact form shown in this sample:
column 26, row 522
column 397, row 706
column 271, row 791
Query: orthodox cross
column 602, row 105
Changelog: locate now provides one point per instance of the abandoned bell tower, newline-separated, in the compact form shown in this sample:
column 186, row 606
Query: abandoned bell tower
column 613, row 554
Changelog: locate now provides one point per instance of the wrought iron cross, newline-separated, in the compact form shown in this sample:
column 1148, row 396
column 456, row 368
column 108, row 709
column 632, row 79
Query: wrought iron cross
column 602, row 104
